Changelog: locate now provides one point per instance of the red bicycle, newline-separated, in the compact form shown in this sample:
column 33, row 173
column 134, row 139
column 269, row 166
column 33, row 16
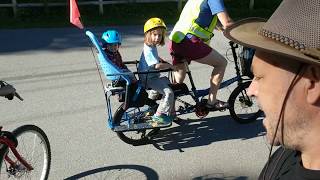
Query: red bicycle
column 25, row 152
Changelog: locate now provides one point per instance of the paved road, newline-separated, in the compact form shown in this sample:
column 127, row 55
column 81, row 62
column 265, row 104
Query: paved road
column 54, row 71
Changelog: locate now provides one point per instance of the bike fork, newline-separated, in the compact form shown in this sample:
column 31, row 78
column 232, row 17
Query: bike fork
column 16, row 154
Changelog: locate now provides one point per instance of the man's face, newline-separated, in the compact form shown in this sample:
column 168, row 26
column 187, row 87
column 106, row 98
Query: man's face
column 270, row 86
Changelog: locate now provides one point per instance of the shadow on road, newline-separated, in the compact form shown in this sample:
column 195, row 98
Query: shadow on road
column 118, row 172
column 219, row 177
column 201, row 132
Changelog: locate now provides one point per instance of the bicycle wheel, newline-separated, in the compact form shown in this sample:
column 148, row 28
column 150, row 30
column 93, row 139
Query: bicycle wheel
column 34, row 147
column 135, row 115
column 243, row 108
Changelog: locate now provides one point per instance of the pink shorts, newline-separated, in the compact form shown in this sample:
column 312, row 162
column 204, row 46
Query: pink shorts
column 190, row 48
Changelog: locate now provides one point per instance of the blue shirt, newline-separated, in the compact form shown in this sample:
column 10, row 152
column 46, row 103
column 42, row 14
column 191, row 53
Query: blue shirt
column 149, row 58
column 208, row 9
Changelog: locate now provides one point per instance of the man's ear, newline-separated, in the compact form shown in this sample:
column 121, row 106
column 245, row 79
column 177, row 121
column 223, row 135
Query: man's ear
column 312, row 77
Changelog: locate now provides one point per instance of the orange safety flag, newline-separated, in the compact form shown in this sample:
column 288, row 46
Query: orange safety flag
column 75, row 14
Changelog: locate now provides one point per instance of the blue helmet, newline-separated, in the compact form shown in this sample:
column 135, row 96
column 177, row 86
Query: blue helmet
column 111, row 37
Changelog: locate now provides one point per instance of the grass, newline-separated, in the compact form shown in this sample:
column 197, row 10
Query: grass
column 120, row 14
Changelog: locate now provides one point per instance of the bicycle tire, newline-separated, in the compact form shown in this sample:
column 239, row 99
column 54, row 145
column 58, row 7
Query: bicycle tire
column 129, row 136
column 239, row 100
column 36, row 153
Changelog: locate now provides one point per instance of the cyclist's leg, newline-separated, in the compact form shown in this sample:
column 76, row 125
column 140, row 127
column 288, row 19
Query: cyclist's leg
column 193, row 48
column 177, row 53
column 180, row 74
column 219, row 63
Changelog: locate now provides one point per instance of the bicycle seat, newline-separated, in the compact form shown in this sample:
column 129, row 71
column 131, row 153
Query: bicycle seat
column 179, row 89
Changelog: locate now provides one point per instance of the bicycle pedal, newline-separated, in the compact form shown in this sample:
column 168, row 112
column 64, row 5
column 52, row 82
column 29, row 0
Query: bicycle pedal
column 222, row 110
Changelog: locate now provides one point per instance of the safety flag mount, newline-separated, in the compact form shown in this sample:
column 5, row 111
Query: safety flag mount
column 75, row 14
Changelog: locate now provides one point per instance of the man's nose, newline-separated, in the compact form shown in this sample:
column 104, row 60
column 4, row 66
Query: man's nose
column 252, row 89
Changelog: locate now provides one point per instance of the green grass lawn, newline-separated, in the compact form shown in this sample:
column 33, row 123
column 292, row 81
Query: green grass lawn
column 120, row 14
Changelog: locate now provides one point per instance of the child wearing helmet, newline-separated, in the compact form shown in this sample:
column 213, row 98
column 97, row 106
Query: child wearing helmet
column 154, row 34
column 111, row 41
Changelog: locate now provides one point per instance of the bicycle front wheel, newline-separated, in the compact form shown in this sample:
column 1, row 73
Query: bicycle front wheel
column 34, row 148
column 243, row 108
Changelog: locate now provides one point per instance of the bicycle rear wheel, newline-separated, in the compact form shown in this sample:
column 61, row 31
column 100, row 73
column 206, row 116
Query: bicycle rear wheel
column 34, row 147
column 243, row 108
column 135, row 115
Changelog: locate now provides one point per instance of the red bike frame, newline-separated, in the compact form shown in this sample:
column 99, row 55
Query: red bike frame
column 11, row 145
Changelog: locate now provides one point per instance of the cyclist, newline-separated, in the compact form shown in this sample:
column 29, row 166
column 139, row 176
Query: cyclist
column 190, row 38
column 286, row 83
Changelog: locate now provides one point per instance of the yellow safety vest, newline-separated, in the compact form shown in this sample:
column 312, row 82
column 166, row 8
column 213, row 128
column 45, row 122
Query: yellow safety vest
column 186, row 23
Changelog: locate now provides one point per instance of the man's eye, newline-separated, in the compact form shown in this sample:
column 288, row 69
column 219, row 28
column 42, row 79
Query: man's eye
column 257, row 78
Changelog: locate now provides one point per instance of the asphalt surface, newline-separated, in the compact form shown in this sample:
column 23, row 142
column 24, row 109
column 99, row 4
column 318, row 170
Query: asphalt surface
column 54, row 71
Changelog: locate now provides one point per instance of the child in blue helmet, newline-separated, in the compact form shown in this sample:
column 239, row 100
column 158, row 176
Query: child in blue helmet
column 111, row 41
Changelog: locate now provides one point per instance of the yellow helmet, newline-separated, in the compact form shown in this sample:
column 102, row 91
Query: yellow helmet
column 153, row 23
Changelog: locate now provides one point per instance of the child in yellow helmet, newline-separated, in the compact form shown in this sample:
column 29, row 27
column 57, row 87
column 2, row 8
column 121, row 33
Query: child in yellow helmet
column 154, row 35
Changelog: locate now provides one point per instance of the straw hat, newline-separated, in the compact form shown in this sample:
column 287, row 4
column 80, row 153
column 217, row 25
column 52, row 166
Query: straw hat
column 293, row 30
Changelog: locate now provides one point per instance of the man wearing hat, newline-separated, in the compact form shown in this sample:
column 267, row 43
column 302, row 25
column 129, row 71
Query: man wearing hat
column 286, row 67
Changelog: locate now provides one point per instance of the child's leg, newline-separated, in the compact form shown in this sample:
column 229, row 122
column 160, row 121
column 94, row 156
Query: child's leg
column 167, row 102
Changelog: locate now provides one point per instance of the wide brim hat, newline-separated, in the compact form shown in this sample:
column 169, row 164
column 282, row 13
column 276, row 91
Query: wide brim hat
column 293, row 31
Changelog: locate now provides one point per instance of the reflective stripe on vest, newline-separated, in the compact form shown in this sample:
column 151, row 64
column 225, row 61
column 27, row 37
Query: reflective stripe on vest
column 187, row 24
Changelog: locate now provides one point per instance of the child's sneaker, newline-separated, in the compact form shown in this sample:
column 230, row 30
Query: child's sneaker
column 161, row 120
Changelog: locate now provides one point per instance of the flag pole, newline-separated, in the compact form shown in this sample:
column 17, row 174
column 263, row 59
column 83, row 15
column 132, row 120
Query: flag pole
column 75, row 19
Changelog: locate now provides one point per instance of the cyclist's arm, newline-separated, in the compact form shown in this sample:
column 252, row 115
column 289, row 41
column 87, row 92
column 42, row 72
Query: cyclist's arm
column 225, row 19
column 217, row 8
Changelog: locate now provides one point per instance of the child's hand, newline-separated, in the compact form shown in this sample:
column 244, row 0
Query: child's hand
column 165, row 65
column 174, row 68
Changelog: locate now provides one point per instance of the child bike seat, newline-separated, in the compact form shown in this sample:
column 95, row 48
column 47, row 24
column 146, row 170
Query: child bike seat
column 110, row 70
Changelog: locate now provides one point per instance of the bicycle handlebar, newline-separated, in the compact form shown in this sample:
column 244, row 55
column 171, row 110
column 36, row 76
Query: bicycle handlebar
column 131, row 62
column 12, row 94
column 157, row 71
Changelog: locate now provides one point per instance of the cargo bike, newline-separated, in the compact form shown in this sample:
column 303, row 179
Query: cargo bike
column 130, row 118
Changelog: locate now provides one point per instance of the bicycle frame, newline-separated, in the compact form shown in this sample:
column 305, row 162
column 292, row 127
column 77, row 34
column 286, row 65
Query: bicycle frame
column 134, row 91
column 8, row 144
column 197, row 95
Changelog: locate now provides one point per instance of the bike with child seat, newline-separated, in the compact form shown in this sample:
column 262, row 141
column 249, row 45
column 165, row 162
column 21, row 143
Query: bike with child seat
column 130, row 120
column 25, row 152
